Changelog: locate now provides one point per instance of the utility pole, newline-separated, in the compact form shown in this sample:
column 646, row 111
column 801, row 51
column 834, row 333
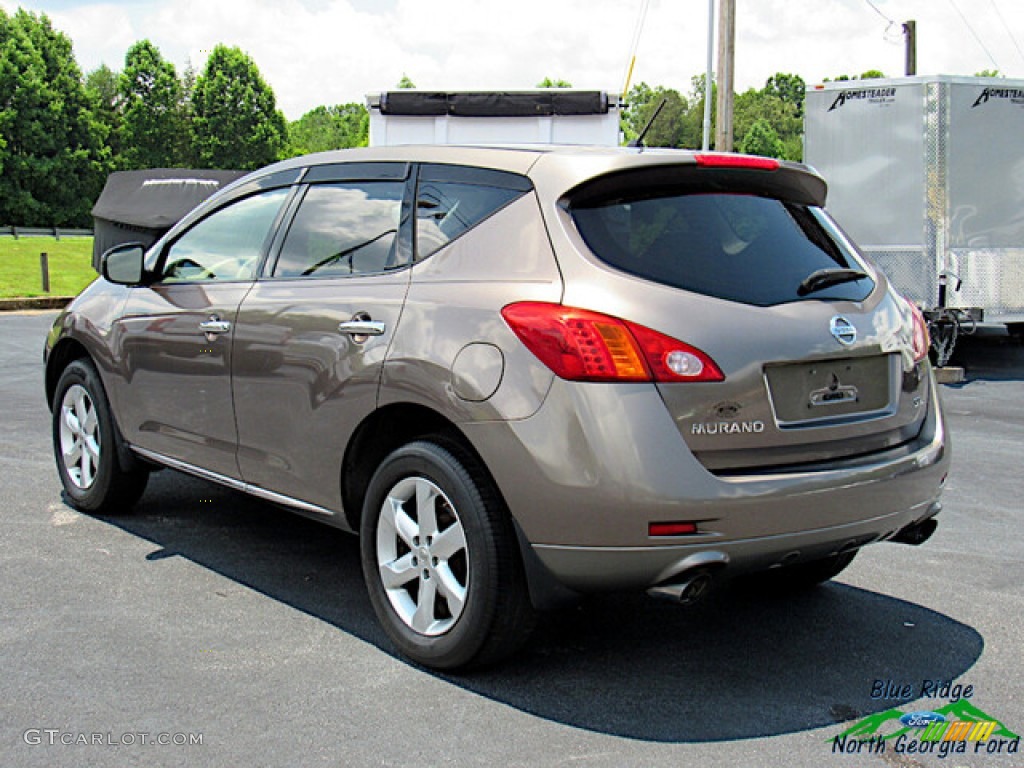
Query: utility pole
column 726, row 62
column 910, row 37
column 708, row 76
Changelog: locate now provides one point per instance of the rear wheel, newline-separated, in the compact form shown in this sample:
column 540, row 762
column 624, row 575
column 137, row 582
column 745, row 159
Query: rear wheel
column 440, row 559
column 85, row 448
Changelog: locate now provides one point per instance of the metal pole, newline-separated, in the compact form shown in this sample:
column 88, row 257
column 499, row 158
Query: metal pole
column 44, row 268
column 910, row 35
column 708, row 75
column 726, row 59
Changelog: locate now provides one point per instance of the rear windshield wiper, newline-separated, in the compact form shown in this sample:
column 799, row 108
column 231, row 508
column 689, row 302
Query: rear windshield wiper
column 826, row 278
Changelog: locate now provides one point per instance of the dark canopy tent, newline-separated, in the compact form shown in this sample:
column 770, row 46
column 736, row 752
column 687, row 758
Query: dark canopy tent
column 140, row 206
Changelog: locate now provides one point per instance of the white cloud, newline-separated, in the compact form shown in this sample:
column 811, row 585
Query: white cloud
column 332, row 51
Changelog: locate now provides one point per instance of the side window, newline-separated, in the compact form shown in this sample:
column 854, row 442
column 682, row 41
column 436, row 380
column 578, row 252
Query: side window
column 344, row 228
column 446, row 209
column 226, row 245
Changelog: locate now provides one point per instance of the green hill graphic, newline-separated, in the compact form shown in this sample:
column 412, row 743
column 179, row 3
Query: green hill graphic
column 956, row 710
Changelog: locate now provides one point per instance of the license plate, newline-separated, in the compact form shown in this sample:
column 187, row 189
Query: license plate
column 827, row 390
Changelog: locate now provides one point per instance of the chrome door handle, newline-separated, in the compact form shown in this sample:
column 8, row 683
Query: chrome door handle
column 362, row 328
column 213, row 325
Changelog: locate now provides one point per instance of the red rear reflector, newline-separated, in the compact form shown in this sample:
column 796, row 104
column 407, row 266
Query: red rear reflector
column 921, row 339
column 580, row 345
column 671, row 529
column 723, row 160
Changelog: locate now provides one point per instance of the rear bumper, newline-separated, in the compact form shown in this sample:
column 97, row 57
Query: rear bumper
column 586, row 475
column 594, row 568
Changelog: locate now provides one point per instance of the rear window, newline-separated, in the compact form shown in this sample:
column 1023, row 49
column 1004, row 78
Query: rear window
column 452, row 199
column 738, row 247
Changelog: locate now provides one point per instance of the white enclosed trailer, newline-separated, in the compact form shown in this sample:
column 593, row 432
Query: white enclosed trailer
column 927, row 176
column 542, row 116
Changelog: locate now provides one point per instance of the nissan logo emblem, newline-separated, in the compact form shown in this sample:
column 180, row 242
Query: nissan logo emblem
column 843, row 330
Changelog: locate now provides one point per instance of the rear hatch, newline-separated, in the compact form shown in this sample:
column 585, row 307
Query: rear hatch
column 737, row 258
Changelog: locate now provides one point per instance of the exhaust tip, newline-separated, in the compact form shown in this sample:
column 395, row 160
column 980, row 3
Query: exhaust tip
column 917, row 533
column 687, row 592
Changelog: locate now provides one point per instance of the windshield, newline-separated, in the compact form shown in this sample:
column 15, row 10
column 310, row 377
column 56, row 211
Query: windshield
column 738, row 247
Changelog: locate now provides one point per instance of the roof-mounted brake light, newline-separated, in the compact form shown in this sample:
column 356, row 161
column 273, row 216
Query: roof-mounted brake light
column 748, row 162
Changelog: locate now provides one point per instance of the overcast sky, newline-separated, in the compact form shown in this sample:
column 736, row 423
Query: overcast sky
column 334, row 51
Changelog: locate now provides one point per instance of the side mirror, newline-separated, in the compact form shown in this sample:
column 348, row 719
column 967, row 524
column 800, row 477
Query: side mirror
column 123, row 264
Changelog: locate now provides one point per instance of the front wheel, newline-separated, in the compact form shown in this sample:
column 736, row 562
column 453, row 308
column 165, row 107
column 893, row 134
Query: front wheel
column 85, row 448
column 440, row 559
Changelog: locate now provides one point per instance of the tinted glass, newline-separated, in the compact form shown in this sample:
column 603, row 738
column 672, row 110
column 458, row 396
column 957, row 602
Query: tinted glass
column 343, row 229
column 744, row 248
column 226, row 245
column 446, row 209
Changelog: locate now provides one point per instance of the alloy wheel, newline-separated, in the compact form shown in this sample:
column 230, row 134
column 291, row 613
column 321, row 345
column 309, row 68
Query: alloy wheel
column 80, row 436
column 422, row 556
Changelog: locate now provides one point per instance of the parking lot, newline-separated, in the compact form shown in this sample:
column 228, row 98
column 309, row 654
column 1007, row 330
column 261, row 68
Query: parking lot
column 242, row 635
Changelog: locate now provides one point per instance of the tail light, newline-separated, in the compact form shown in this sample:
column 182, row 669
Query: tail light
column 921, row 341
column 580, row 345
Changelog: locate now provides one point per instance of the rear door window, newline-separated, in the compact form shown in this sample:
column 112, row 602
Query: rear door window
column 739, row 247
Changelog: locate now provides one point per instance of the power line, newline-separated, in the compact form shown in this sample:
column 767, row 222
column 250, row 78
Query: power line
column 971, row 29
column 875, row 9
column 1008, row 30
column 635, row 44
column 889, row 24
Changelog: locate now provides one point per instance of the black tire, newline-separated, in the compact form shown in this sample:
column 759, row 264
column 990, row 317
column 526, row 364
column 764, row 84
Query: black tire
column 99, row 484
column 495, row 616
column 808, row 575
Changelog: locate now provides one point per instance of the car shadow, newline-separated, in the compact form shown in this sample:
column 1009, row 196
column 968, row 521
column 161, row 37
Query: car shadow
column 739, row 665
column 989, row 359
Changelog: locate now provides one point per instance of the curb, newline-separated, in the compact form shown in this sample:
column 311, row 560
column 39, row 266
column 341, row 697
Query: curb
column 34, row 302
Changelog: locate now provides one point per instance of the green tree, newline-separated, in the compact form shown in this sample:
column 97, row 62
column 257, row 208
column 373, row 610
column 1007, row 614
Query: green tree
column 547, row 82
column 153, row 126
column 781, row 115
column 54, row 162
column 871, row 74
column 325, row 128
column 642, row 103
column 988, row 73
column 101, row 87
column 235, row 121
column 762, row 139
column 188, row 88
column 692, row 122
column 405, row 83
column 789, row 88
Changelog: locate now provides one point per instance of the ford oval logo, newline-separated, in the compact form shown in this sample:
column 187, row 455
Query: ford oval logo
column 843, row 330
column 921, row 719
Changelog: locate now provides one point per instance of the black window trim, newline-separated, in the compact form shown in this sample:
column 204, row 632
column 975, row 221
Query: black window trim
column 471, row 174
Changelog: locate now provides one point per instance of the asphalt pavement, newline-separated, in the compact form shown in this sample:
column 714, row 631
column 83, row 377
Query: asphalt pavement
column 241, row 635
